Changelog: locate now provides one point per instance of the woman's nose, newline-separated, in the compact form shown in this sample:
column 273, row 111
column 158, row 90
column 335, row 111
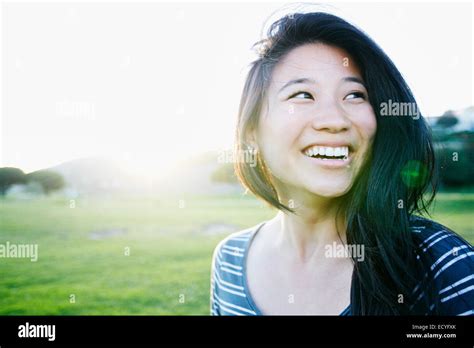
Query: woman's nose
column 330, row 117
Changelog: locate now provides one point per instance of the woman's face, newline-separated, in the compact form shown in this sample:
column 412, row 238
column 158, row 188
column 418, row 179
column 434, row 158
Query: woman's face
column 319, row 125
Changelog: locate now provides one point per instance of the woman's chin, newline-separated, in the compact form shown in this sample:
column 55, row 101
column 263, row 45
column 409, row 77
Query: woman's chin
column 329, row 189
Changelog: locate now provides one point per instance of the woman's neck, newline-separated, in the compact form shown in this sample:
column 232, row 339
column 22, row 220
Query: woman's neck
column 305, row 234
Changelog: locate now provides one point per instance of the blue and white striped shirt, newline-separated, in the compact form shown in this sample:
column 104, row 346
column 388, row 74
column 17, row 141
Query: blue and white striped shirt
column 451, row 259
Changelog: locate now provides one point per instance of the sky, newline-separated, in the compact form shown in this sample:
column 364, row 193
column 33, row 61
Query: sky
column 152, row 83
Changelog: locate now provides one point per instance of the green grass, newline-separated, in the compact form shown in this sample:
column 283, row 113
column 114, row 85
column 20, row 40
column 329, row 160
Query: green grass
column 169, row 257
column 456, row 211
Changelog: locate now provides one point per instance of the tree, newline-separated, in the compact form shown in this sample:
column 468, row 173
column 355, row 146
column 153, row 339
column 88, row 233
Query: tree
column 10, row 176
column 50, row 181
column 225, row 174
column 448, row 119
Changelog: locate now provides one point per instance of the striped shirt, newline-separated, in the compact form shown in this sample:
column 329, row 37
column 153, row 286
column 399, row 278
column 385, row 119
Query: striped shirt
column 450, row 271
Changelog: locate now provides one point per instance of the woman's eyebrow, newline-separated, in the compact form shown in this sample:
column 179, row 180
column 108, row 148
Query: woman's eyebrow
column 308, row 80
column 296, row 81
column 353, row 79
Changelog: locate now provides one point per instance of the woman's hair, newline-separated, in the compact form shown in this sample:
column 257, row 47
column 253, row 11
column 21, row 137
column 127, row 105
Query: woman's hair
column 391, row 184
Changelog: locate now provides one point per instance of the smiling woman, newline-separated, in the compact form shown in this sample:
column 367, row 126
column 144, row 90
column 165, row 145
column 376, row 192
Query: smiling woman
column 334, row 167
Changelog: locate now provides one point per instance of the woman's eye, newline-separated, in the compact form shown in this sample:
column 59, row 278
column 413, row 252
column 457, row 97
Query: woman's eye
column 355, row 95
column 301, row 95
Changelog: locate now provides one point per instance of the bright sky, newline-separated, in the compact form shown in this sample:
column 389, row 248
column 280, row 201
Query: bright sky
column 150, row 83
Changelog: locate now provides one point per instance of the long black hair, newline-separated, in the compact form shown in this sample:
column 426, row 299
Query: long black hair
column 392, row 184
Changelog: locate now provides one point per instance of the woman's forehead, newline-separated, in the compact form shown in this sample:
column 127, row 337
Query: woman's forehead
column 316, row 61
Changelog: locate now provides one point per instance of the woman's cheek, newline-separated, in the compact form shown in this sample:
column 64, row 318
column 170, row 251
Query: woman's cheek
column 371, row 127
column 283, row 123
column 365, row 122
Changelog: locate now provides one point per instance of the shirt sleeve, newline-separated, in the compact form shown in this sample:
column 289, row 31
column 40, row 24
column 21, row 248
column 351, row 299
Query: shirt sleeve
column 456, row 281
column 448, row 260
column 214, row 304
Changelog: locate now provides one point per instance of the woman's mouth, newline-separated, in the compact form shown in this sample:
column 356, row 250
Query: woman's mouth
column 329, row 156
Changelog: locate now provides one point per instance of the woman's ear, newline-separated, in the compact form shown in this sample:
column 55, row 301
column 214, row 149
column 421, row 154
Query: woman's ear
column 252, row 139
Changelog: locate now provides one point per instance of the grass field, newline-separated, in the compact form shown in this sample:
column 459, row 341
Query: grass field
column 83, row 251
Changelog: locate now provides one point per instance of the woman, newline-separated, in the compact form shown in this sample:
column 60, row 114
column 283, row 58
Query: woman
column 347, row 180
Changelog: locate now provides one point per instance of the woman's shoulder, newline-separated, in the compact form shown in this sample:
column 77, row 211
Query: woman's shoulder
column 233, row 247
column 449, row 264
column 228, row 288
column 436, row 238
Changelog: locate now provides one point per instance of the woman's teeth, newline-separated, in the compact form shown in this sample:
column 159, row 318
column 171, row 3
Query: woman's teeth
column 327, row 152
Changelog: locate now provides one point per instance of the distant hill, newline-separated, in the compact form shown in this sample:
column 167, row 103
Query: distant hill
column 453, row 121
column 102, row 175
column 94, row 175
